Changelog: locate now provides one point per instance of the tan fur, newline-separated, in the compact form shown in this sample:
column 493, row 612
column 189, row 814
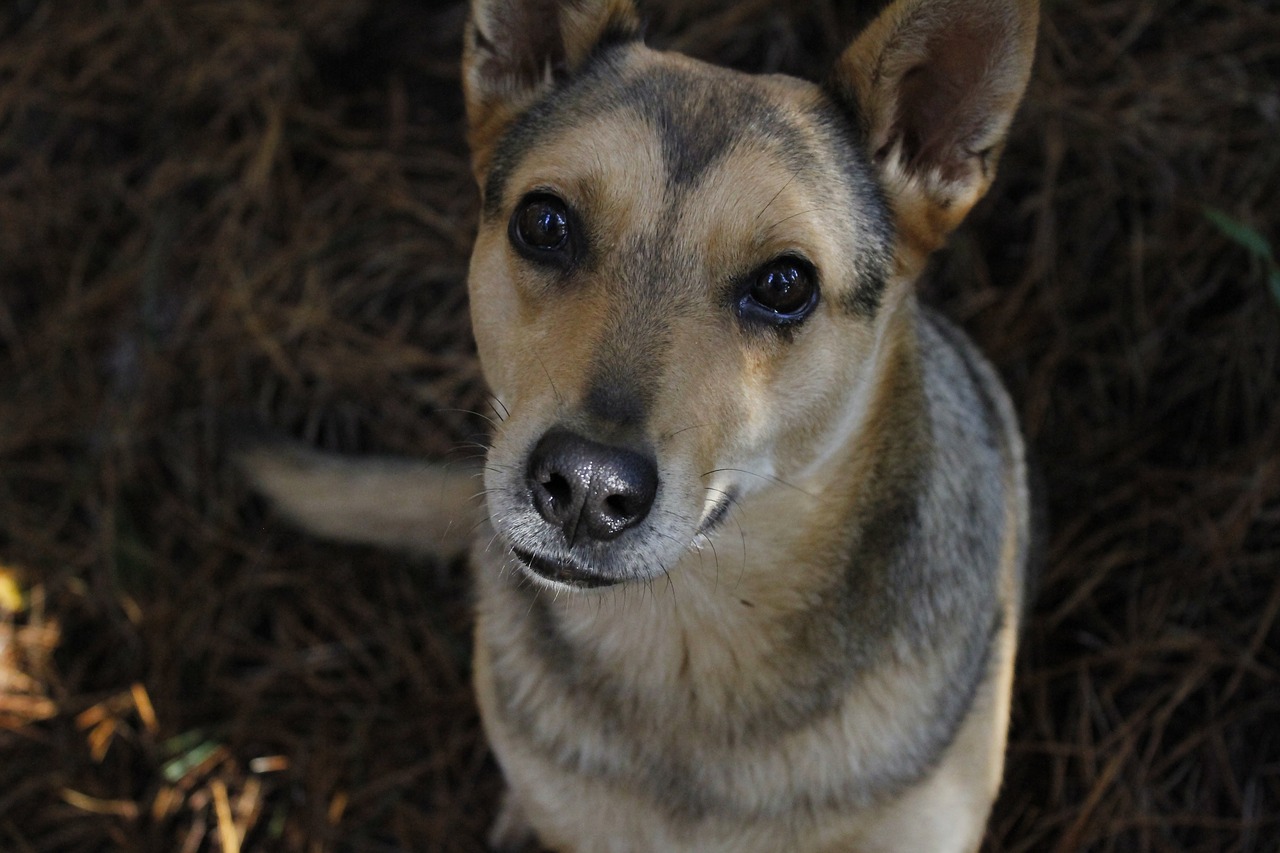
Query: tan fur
column 802, row 677
column 695, row 632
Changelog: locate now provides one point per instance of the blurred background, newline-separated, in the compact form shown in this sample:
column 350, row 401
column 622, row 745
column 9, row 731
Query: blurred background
column 265, row 207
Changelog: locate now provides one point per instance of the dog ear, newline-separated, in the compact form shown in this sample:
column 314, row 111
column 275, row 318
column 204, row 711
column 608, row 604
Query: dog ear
column 517, row 50
column 935, row 84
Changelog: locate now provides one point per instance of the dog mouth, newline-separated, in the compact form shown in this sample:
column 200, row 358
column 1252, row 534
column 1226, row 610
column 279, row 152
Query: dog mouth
column 563, row 572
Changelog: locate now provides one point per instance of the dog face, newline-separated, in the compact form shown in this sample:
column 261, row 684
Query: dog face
column 674, row 290
column 683, row 280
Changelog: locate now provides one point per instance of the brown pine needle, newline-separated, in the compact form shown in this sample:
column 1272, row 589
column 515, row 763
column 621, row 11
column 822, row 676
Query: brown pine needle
column 84, row 802
column 269, row 763
column 227, row 832
column 337, row 807
column 146, row 711
column 100, row 737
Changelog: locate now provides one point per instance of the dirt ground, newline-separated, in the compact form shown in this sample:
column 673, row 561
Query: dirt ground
column 210, row 208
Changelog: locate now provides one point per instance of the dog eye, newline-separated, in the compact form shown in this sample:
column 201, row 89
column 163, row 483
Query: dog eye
column 782, row 292
column 541, row 227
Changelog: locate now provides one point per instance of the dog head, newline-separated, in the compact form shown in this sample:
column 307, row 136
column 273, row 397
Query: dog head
column 685, row 278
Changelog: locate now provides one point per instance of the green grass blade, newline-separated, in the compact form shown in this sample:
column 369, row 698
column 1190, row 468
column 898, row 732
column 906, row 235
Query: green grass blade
column 1240, row 233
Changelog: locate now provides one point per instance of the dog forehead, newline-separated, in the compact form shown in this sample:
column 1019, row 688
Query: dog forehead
column 699, row 114
column 634, row 109
column 658, row 148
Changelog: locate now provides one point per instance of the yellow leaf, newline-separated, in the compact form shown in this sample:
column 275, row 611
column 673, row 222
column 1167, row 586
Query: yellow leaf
column 11, row 600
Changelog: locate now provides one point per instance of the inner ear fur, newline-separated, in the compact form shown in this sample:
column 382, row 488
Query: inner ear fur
column 936, row 84
column 515, row 51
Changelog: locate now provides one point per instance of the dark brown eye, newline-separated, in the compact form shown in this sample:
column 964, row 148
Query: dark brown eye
column 782, row 292
column 541, row 228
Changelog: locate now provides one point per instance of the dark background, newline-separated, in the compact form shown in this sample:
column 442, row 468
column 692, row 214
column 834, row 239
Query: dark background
column 265, row 207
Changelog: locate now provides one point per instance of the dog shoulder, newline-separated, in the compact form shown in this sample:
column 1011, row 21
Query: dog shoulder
column 979, row 444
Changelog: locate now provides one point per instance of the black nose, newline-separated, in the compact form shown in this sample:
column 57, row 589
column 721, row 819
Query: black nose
column 588, row 489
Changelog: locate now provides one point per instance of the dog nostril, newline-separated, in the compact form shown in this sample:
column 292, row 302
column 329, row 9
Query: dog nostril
column 558, row 490
column 618, row 507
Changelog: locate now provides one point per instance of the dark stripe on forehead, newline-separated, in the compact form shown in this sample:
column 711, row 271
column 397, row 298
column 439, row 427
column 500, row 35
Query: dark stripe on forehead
column 699, row 118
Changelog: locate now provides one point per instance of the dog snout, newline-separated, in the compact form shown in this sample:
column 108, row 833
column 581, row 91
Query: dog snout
column 591, row 491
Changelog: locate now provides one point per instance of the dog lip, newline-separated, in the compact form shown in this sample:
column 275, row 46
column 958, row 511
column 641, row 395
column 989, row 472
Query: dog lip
column 718, row 513
column 560, row 571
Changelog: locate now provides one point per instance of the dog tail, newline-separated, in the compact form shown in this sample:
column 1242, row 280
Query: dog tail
column 424, row 507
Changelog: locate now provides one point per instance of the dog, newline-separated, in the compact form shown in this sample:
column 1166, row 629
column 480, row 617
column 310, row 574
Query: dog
column 751, row 557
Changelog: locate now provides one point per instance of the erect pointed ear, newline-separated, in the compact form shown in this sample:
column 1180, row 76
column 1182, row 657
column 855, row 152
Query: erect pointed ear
column 516, row 50
column 935, row 84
